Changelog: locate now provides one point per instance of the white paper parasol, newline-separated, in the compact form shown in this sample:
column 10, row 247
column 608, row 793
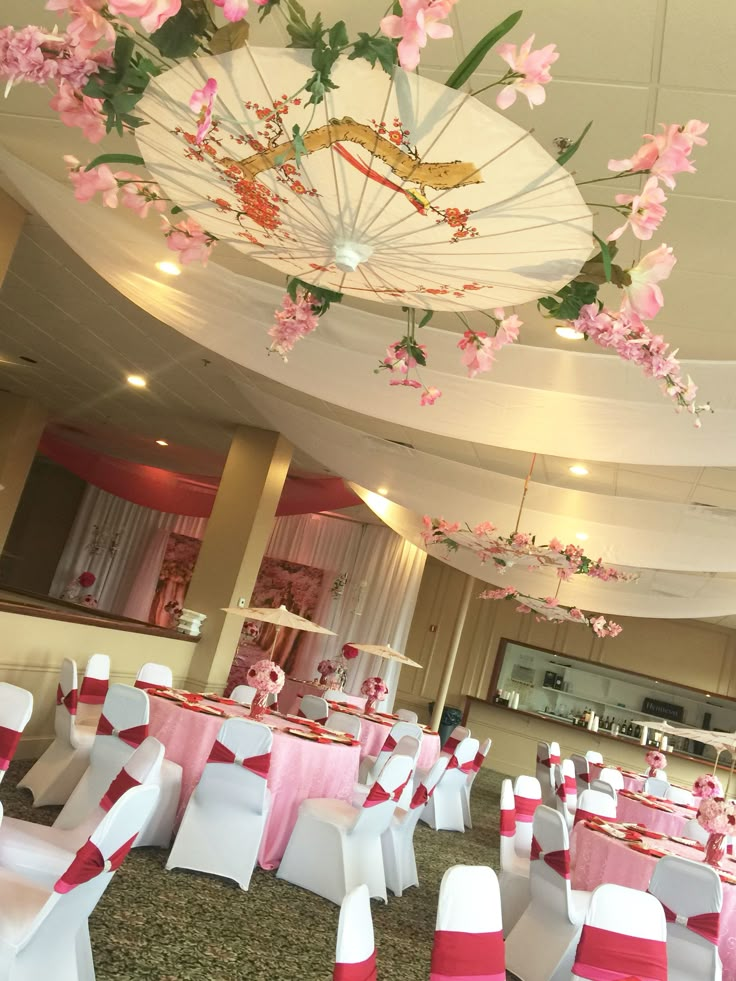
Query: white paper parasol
column 278, row 615
column 411, row 193
column 385, row 650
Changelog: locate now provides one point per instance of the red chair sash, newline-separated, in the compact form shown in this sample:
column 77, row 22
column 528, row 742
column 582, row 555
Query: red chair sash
column 122, row 782
column 9, row 739
column 544, row 761
column 389, row 745
column 508, row 823
column 581, row 815
column 558, row 861
column 561, row 791
column 451, row 744
column 420, row 798
column 571, row 786
column 706, row 925
column 259, row 765
column 363, row 971
column 554, row 759
column 133, row 736
column 140, row 683
column 468, row 955
column 88, row 863
column 303, row 716
column 93, row 691
column 604, row 955
column 477, row 761
column 69, row 700
column 584, row 776
column 525, row 808
column 376, row 795
column 462, row 767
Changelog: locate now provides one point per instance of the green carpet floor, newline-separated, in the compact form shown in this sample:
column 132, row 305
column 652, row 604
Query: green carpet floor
column 153, row 925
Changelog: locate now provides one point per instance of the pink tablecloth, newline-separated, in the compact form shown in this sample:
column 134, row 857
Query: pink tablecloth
column 292, row 692
column 299, row 769
column 599, row 859
column 632, row 781
column 638, row 812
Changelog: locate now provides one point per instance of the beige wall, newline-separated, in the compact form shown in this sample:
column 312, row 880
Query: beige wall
column 32, row 649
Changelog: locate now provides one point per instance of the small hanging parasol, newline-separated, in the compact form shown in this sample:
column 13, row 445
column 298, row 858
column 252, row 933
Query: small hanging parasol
column 387, row 651
column 278, row 615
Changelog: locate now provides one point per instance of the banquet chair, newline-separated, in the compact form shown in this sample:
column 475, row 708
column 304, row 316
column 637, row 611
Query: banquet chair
column 57, row 772
column 560, row 802
column 313, row 707
column 223, row 824
column 243, row 694
column 656, row 787
column 582, row 772
column 355, row 951
column 527, row 798
column 152, row 675
column 623, row 937
column 370, row 766
column 16, row 707
column 548, row 756
column 406, row 715
column 339, row 697
column 444, row 810
column 93, row 689
column 593, row 803
column 542, row 945
column 397, row 841
column 344, row 722
column 334, row 846
column 691, row 829
column 480, row 756
column 122, row 727
column 691, row 895
column 406, row 746
column 469, row 906
column 42, row 853
column 44, row 931
column 603, row 787
column 450, row 744
column 678, row 795
column 593, row 756
column 612, row 776
column 514, row 878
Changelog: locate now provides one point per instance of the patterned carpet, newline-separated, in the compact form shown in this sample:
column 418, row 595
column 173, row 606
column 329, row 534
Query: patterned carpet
column 153, row 925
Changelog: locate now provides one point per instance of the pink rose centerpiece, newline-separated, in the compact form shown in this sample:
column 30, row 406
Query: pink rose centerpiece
column 375, row 689
column 76, row 591
column 268, row 679
column 656, row 761
column 331, row 673
column 718, row 817
column 706, row 786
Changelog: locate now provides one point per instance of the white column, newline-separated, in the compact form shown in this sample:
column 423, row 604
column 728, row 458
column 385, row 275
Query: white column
column 457, row 633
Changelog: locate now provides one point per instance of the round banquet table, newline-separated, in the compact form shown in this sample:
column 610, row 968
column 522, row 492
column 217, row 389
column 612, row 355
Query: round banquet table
column 290, row 695
column 632, row 781
column 600, row 859
column 299, row 770
column 640, row 812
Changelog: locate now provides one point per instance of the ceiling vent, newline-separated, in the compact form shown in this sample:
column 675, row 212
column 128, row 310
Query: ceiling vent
column 712, row 509
column 400, row 442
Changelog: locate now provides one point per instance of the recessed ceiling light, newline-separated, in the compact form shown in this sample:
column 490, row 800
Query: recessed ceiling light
column 170, row 268
column 579, row 470
column 137, row 381
column 582, row 536
column 569, row 333
column 382, row 490
column 707, row 695
column 161, row 442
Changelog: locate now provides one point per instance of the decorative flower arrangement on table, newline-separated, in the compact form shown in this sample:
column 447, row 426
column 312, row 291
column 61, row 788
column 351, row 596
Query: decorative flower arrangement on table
column 268, row 679
column 75, row 591
column 338, row 585
column 707, row 785
column 99, row 66
column 332, row 673
column 718, row 817
column 375, row 690
column 656, row 761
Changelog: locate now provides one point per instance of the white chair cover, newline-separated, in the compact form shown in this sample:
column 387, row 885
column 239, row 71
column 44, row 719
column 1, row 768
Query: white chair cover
column 469, row 906
column 334, row 846
column 406, row 715
column 314, row 707
column 548, row 757
column 444, row 810
column 451, row 743
column 582, row 772
column 514, row 877
column 243, row 694
column 678, row 795
column 561, row 800
column 338, row 697
column 406, row 746
column 527, row 798
column 691, row 895
column 344, row 722
column 624, row 932
column 656, row 786
column 480, row 757
column 93, row 689
column 593, row 803
column 152, row 675
column 355, row 951
column 691, row 829
column 613, row 777
column 542, row 945
column 56, row 773
column 16, row 707
column 603, row 787
column 223, row 824
column 371, row 766
column 593, row 756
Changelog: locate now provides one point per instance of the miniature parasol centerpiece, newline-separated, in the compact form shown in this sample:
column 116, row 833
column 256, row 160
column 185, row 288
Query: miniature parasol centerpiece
column 279, row 616
column 387, row 651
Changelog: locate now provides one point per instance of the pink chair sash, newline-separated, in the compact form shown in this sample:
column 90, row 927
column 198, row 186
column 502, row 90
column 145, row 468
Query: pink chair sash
column 558, row 861
column 377, row 795
column 93, row 691
column 525, row 808
column 69, row 700
column 554, row 759
column 477, row 761
column 604, row 955
column 259, row 765
column 133, row 736
column 451, row 744
column 462, row 767
column 363, row 971
column 9, row 739
column 581, row 815
column 468, row 955
column 122, row 782
column 389, row 745
column 420, row 798
column 706, row 925
column 88, row 863
column 508, row 823
column 571, row 787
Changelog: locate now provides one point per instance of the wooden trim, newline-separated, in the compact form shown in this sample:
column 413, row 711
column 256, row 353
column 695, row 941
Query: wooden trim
column 90, row 620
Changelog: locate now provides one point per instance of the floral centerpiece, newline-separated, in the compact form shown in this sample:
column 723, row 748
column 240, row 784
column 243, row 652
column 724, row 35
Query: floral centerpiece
column 268, row 679
column 331, row 673
column 718, row 817
column 375, row 689
column 656, row 761
column 707, row 785
column 75, row 592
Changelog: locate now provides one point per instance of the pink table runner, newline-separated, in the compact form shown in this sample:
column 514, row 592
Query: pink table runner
column 290, row 695
column 600, row 859
column 638, row 812
column 299, row 769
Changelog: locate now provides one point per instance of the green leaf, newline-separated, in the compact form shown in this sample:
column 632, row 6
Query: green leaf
column 122, row 53
column 375, row 49
column 470, row 63
column 125, row 101
column 181, row 35
column 106, row 158
column 297, row 141
column 265, row 11
column 304, row 35
column 574, row 147
column 567, row 302
column 428, row 314
column 326, row 297
column 176, row 210
column 230, row 37
column 605, row 256
column 338, row 36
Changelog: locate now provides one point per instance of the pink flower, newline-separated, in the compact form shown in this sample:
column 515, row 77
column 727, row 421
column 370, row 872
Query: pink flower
column 79, row 110
column 485, row 528
column 551, row 601
column 707, row 785
column 477, row 348
column 647, row 211
column 87, row 26
column 508, row 329
column 139, row 194
column 614, row 629
column 532, row 66
column 576, row 614
column 556, row 545
column 236, row 9
column 667, row 153
column 504, row 592
column 419, row 20
column 716, row 816
column 349, row 652
column 265, row 676
column 201, row 102
column 398, row 358
column 521, row 539
column 151, row 13
column 86, row 579
column 430, row 396
column 189, row 239
column 599, row 626
column 523, row 608
column 88, row 182
column 643, row 296
column 294, row 320
column 406, row 382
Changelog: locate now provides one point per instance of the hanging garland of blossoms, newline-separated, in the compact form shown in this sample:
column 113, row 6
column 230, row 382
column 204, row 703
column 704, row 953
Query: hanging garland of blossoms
column 550, row 610
column 101, row 63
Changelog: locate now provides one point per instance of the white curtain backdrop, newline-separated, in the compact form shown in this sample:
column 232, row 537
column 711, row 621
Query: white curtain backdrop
column 126, row 581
